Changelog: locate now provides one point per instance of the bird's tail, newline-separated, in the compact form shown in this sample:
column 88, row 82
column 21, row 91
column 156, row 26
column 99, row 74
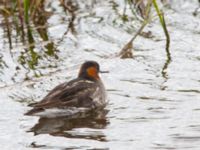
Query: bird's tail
column 33, row 111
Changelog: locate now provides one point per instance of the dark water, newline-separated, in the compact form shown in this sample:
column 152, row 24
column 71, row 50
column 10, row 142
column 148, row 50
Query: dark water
column 154, row 103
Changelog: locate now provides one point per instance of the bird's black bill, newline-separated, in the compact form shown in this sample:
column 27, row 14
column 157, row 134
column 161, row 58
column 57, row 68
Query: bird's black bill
column 104, row 71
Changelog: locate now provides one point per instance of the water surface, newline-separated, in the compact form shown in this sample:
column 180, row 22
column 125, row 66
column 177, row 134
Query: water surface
column 154, row 103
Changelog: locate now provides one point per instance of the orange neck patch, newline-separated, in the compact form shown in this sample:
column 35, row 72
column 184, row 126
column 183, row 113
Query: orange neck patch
column 92, row 72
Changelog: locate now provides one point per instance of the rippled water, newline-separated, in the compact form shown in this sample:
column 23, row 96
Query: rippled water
column 153, row 103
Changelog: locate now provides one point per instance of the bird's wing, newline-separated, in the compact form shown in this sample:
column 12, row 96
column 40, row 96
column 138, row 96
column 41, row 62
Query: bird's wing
column 77, row 93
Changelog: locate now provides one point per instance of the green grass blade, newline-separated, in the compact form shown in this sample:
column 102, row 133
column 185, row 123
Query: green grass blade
column 26, row 10
column 162, row 21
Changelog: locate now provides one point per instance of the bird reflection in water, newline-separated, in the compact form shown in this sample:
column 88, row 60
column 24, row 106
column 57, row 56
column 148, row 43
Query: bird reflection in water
column 82, row 126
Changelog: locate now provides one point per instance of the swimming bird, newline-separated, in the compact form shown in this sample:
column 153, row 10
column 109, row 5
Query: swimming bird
column 82, row 94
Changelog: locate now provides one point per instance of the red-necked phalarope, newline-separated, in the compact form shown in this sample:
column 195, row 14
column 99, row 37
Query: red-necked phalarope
column 84, row 93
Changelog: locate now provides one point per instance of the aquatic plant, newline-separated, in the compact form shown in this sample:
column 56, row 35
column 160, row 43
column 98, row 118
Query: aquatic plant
column 27, row 21
column 144, row 11
column 162, row 22
column 23, row 19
